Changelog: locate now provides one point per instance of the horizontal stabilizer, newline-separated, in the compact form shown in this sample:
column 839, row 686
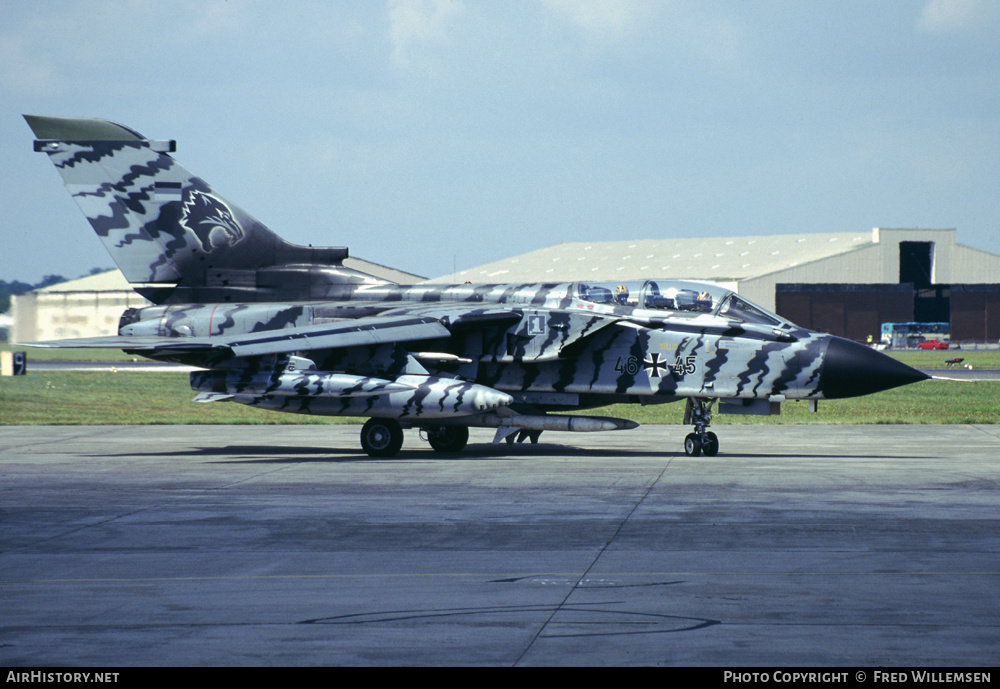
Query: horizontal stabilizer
column 352, row 333
column 131, row 343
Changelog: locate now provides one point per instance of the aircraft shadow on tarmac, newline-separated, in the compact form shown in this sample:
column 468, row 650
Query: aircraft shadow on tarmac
column 278, row 454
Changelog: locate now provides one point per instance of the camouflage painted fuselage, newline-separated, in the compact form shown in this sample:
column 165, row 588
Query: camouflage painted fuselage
column 540, row 343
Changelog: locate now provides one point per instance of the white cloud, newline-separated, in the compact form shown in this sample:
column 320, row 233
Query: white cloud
column 413, row 23
column 946, row 16
column 604, row 18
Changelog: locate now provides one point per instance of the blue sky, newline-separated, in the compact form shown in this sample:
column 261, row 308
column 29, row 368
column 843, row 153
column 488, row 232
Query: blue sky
column 433, row 135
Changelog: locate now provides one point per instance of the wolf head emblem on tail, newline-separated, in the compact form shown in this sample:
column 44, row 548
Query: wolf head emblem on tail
column 211, row 220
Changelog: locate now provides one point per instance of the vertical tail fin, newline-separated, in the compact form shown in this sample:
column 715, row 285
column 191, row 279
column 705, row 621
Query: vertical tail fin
column 160, row 223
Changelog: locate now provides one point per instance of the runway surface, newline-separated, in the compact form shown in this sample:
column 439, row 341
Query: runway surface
column 257, row 545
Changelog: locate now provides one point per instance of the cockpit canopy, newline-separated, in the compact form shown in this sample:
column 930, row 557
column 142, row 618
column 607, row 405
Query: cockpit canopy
column 678, row 297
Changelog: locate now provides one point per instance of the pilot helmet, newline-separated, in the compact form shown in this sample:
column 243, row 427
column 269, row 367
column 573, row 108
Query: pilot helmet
column 621, row 295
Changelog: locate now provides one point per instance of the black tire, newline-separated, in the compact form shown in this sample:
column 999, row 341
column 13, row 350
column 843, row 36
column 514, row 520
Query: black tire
column 692, row 445
column 381, row 437
column 448, row 438
column 710, row 445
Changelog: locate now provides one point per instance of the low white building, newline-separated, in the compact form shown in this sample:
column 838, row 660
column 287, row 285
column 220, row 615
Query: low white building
column 87, row 307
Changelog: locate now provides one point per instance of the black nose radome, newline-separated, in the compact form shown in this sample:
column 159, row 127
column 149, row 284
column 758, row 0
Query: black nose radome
column 850, row 369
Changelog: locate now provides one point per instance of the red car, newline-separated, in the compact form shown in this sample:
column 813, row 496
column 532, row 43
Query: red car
column 932, row 344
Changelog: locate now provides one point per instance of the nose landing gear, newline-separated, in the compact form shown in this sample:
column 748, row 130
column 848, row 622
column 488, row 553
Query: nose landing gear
column 702, row 441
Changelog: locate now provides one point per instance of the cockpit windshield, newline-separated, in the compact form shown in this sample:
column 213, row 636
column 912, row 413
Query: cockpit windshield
column 685, row 297
column 681, row 298
column 738, row 309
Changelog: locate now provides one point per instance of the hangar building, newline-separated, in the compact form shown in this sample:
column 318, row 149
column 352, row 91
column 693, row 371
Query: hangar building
column 846, row 284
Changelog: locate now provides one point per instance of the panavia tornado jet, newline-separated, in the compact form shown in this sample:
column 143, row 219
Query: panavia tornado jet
column 290, row 328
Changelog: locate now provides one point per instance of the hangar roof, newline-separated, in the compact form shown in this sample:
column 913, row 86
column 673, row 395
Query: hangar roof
column 718, row 259
column 383, row 272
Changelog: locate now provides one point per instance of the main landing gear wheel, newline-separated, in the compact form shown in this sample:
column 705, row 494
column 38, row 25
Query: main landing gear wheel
column 710, row 444
column 448, row 438
column 702, row 441
column 706, row 444
column 692, row 445
column 381, row 437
